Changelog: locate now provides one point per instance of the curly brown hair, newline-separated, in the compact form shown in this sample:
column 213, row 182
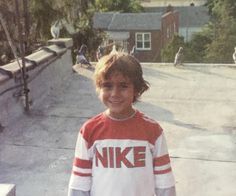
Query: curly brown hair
column 127, row 65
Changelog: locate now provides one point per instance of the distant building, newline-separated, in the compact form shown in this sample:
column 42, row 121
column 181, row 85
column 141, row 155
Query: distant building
column 192, row 18
column 148, row 32
column 164, row 3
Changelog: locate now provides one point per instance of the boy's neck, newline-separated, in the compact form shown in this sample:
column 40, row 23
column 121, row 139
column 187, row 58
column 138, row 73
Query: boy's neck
column 131, row 115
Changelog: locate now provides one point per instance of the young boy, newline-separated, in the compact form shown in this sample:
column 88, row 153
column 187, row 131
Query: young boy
column 121, row 151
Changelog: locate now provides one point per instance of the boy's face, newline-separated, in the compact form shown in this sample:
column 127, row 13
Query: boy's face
column 117, row 93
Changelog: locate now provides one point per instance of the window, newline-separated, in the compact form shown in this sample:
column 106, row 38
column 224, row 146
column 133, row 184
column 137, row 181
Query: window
column 143, row 41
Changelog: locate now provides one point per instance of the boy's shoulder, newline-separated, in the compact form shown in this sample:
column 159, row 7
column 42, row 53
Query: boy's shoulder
column 141, row 118
column 99, row 118
column 92, row 124
column 148, row 121
column 147, row 118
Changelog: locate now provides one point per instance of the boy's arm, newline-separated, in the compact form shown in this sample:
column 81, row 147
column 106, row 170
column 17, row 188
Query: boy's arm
column 73, row 192
column 164, row 178
column 81, row 175
column 165, row 192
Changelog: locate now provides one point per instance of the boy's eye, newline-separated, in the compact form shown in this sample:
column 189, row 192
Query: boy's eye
column 124, row 85
column 106, row 85
column 109, row 85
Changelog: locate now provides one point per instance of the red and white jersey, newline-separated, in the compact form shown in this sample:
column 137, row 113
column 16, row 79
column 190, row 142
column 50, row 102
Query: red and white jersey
column 118, row 158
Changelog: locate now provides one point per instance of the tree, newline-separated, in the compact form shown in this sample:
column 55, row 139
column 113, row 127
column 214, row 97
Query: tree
column 79, row 14
column 119, row 5
column 216, row 42
column 220, row 49
column 223, row 26
column 197, row 46
column 43, row 15
column 76, row 13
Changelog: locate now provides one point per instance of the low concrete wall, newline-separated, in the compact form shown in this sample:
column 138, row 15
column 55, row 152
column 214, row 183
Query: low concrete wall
column 46, row 69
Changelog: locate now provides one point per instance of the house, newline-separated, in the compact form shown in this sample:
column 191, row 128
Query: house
column 148, row 32
column 192, row 18
column 164, row 3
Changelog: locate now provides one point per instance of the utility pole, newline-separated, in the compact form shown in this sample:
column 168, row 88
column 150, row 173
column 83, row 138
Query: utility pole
column 22, row 54
column 26, row 25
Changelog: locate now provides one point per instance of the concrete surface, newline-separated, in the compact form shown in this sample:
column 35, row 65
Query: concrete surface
column 195, row 105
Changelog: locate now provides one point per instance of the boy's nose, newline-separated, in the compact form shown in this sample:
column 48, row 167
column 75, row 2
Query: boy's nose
column 115, row 91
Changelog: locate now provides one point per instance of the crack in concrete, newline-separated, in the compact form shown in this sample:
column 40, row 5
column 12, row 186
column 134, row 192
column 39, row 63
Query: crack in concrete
column 203, row 159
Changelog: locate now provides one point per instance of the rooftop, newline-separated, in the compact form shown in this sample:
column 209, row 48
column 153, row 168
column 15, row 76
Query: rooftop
column 189, row 16
column 154, row 3
column 195, row 104
column 127, row 21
